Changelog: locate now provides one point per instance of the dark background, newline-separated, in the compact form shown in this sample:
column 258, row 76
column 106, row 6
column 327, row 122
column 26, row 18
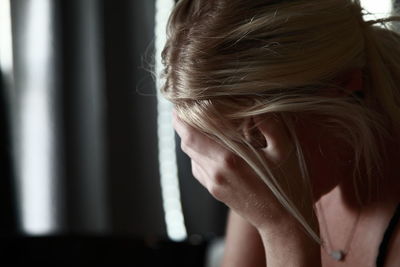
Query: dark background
column 109, row 207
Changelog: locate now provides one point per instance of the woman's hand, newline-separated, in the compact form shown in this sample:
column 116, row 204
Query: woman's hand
column 231, row 180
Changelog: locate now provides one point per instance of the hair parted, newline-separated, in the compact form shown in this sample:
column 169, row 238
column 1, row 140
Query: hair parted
column 228, row 60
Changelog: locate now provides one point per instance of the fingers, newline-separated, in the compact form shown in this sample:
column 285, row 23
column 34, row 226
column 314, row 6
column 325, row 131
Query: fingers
column 198, row 173
column 214, row 181
column 195, row 143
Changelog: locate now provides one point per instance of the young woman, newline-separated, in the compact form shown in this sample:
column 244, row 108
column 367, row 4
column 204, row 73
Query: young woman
column 289, row 110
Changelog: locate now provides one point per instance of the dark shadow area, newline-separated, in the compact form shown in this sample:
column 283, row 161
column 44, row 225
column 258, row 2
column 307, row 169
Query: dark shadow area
column 98, row 251
column 8, row 221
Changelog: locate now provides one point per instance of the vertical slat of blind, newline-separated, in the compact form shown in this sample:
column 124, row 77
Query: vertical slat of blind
column 83, row 98
column 36, row 117
column 174, row 219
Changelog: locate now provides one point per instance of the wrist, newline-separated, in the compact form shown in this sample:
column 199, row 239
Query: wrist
column 281, row 221
column 288, row 244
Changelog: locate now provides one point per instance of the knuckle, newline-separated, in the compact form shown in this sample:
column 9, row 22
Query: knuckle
column 229, row 160
column 215, row 190
column 195, row 173
column 184, row 146
column 218, row 178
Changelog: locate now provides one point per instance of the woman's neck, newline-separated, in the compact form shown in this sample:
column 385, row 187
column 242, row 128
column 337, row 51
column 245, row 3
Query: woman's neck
column 383, row 186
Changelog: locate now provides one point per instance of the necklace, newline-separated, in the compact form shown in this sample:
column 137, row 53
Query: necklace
column 333, row 251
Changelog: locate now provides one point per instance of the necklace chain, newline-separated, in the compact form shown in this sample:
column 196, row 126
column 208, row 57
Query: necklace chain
column 337, row 254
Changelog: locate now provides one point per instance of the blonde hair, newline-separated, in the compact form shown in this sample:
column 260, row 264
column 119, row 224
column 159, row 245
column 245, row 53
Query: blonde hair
column 228, row 60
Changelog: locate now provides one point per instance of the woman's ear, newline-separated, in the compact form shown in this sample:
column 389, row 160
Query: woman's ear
column 253, row 134
column 266, row 131
column 277, row 141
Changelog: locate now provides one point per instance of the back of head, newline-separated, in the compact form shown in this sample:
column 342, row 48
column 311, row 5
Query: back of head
column 228, row 60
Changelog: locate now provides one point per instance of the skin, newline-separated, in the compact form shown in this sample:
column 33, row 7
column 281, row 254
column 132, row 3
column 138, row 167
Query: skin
column 271, row 235
column 240, row 232
column 222, row 173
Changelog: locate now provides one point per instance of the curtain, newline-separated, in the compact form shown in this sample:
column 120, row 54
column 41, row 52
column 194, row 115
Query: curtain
column 79, row 125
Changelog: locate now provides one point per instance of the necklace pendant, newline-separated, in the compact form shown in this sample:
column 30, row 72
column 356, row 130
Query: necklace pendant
column 337, row 255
